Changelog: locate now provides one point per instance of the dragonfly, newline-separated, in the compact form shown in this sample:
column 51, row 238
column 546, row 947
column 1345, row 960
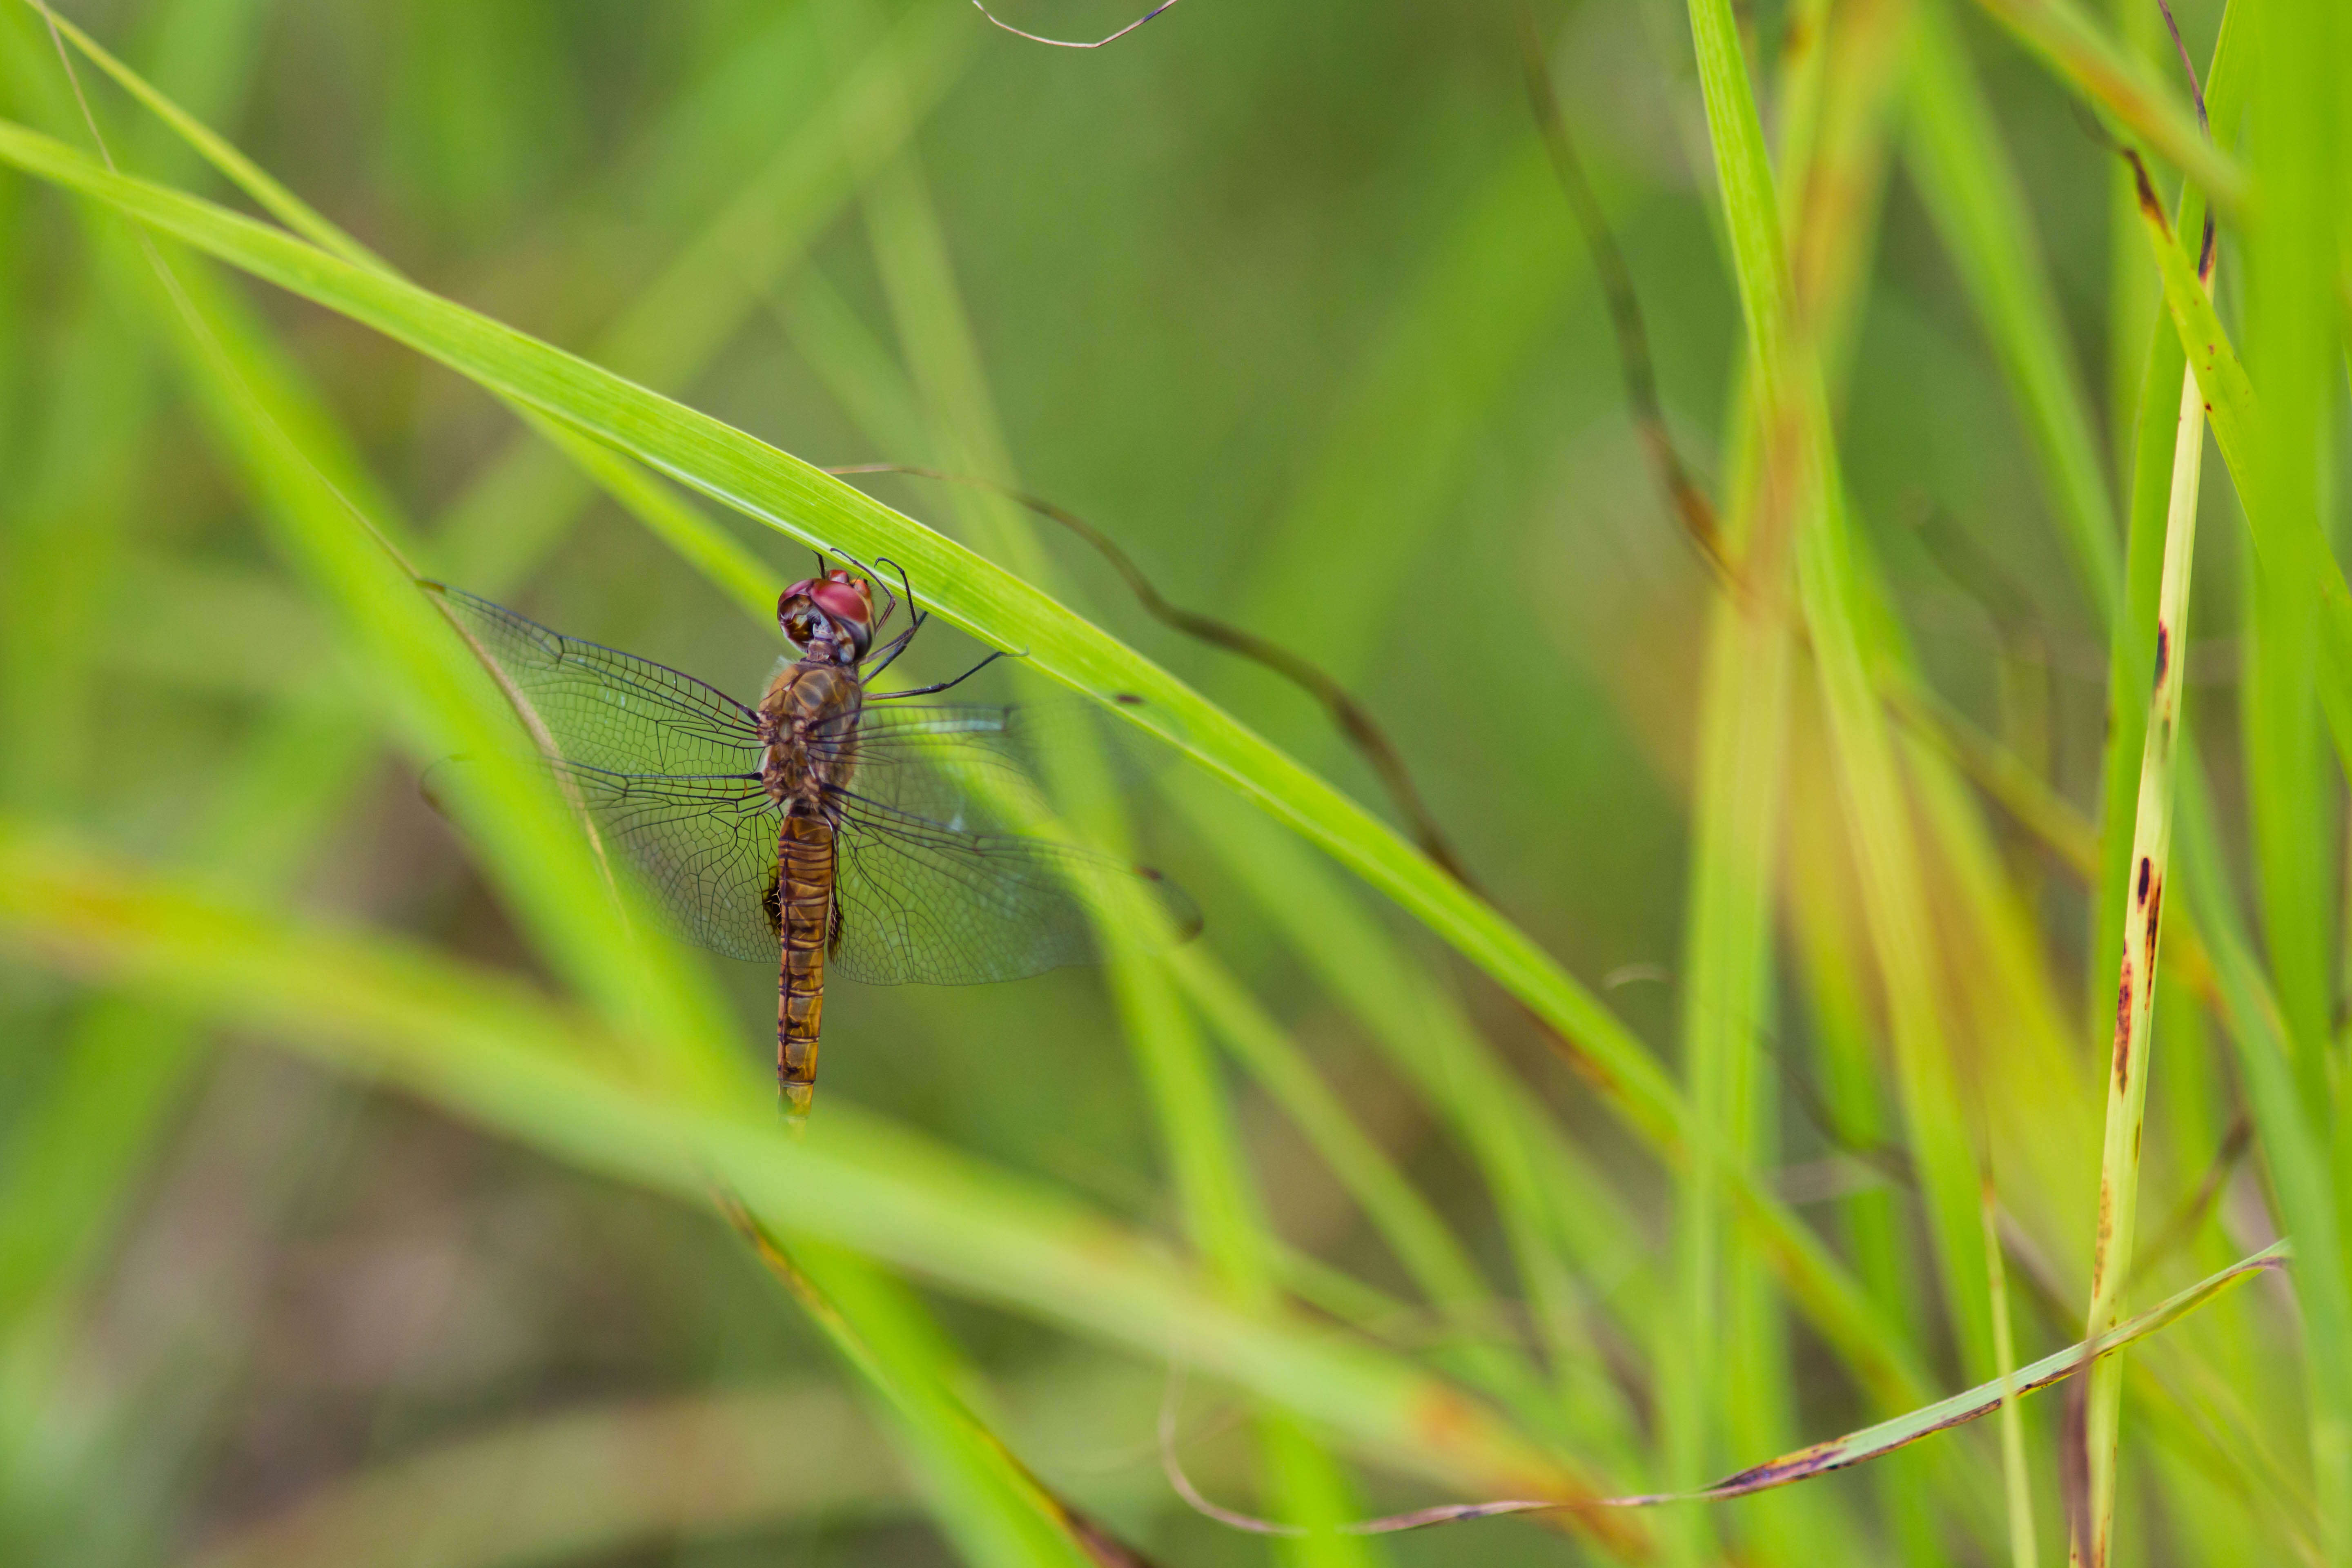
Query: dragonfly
column 830, row 828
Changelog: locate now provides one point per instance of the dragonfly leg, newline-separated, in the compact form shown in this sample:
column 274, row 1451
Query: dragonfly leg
column 940, row 686
column 879, row 659
column 912, row 609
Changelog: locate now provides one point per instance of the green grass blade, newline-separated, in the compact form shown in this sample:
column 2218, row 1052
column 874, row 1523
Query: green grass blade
column 1832, row 593
column 2126, row 1097
column 1418, row 1236
column 1974, row 194
column 2105, row 75
column 1415, row 411
column 2296, row 1147
column 493, row 1052
column 1872, row 1442
column 998, row 1513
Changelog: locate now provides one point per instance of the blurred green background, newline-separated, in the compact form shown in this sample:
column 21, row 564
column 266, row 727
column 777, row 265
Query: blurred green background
column 1287, row 300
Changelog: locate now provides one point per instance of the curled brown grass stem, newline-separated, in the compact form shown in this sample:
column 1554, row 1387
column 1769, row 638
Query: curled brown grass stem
column 1354, row 720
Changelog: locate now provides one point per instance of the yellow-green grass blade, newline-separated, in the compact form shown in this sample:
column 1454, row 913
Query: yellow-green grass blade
column 1831, row 592
column 1524, row 1156
column 2127, row 1095
column 966, row 590
column 2132, row 639
column 998, row 1514
column 1978, row 201
column 1222, row 1211
column 1886, row 1437
column 62, row 531
column 2080, row 54
column 1415, row 411
column 1726, row 956
column 1835, row 98
column 1416, row 1234
column 2294, row 1143
column 1562, row 1216
column 495, row 1053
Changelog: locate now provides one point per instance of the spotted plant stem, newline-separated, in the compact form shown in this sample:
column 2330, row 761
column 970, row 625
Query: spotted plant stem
column 2135, row 982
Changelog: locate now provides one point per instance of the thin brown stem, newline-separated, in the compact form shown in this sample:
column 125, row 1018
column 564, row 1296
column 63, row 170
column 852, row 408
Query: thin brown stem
column 1354, row 720
column 1625, row 320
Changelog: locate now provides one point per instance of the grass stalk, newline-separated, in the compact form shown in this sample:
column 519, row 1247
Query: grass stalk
column 1978, row 205
column 2016, row 1488
column 2127, row 1095
column 2113, row 78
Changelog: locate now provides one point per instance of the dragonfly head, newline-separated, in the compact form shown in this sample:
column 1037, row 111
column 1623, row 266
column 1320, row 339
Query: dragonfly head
column 834, row 611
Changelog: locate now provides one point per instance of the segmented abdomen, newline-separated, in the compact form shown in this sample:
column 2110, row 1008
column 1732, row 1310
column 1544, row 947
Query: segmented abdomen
column 804, row 910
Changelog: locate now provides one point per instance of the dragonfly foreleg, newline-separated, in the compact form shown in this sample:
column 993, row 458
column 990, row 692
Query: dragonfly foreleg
column 941, row 686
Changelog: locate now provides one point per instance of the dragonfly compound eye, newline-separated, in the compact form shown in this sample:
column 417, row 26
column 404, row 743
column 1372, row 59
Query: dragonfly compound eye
column 836, row 606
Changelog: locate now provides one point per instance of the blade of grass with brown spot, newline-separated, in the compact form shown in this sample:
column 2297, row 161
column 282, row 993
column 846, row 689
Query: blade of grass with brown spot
column 2083, row 57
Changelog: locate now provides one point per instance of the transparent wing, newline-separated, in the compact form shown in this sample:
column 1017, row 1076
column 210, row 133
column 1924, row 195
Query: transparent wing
column 925, row 902
column 933, row 887
column 610, row 710
column 666, row 768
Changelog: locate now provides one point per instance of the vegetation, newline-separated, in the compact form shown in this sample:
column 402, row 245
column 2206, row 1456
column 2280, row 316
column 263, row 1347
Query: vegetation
column 1690, row 976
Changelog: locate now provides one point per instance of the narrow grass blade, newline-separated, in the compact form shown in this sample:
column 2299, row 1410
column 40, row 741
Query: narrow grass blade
column 1974, row 194
column 493, row 1052
column 1415, row 411
column 1418, row 1236
column 2127, row 1095
column 2294, row 344
column 1870, row 1442
column 1832, row 593
column 1885, row 1438
column 2104, row 75
column 2017, row 1490
column 997, row 1512
column 2132, row 639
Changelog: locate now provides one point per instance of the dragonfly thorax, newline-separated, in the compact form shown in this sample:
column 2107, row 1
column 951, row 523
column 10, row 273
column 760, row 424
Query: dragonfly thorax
column 809, row 722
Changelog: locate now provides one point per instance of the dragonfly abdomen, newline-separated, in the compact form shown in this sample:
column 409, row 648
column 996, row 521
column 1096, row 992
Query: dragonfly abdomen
column 804, row 855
